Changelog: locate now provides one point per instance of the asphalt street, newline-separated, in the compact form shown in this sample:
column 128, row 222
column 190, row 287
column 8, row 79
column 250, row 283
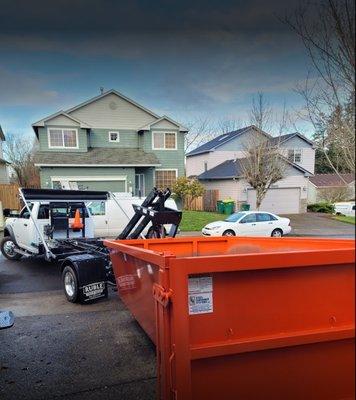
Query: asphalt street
column 61, row 350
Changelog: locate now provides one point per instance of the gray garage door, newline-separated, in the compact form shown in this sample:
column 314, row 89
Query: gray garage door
column 112, row 186
column 278, row 201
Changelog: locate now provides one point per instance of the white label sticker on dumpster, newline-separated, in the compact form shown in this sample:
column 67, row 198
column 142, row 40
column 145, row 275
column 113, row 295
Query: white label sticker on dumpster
column 200, row 295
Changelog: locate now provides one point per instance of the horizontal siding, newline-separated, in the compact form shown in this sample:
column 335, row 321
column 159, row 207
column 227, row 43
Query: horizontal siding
column 100, row 138
column 227, row 188
column 308, row 153
column 168, row 158
column 61, row 120
column 164, row 124
column 101, row 114
column 195, row 164
column 82, row 139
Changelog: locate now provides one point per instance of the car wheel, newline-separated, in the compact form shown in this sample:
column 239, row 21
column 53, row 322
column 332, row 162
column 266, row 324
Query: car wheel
column 8, row 249
column 277, row 233
column 70, row 284
column 229, row 232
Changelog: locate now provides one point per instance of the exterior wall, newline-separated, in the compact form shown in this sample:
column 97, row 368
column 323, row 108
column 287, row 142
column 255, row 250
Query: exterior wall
column 195, row 164
column 82, row 139
column 113, row 111
column 164, row 124
column 4, row 178
column 169, row 159
column 312, row 193
column 227, row 188
column 243, row 141
column 61, row 120
column 308, row 153
column 100, row 138
column 46, row 174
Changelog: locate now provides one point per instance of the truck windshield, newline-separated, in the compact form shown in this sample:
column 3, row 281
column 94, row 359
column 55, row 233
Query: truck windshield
column 235, row 217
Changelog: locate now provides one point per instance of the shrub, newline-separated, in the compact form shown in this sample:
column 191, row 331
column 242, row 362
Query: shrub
column 322, row 207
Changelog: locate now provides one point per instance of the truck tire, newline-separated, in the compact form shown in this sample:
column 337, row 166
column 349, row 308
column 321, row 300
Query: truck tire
column 8, row 249
column 70, row 284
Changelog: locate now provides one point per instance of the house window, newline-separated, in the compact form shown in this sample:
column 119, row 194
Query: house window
column 295, row 155
column 63, row 138
column 164, row 141
column 165, row 178
column 114, row 137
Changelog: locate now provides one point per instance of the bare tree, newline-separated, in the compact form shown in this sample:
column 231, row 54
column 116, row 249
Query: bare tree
column 327, row 30
column 226, row 125
column 262, row 166
column 200, row 131
column 261, row 113
column 19, row 153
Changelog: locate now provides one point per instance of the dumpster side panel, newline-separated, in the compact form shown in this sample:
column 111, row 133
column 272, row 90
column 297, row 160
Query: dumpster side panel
column 315, row 371
column 134, row 280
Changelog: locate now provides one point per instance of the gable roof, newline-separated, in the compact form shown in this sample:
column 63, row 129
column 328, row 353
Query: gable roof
column 57, row 114
column 331, row 180
column 222, row 139
column 234, row 169
column 164, row 118
column 284, row 138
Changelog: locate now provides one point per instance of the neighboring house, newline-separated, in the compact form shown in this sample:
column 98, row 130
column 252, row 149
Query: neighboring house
column 110, row 143
column 217, row 165
column 330, row 187
column 4, row 177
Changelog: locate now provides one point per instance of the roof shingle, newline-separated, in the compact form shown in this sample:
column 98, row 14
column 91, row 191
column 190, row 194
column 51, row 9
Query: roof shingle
column 98, row 156
column 331, row 180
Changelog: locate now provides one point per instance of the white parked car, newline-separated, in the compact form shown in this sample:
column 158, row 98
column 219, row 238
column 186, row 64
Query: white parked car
column 249, row 223
column 345, row 208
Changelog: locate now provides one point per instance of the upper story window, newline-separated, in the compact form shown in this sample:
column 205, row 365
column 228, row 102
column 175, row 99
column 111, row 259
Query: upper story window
column 164, row 141
column 114, row 137
column 62, row 138
column 295, row 155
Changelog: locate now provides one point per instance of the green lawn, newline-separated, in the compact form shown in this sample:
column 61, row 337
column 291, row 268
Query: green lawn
column 342, row 218
column 196, row 220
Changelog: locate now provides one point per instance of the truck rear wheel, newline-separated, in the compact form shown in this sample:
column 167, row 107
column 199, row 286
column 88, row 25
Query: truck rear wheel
column 8, row 249
column 70, row 284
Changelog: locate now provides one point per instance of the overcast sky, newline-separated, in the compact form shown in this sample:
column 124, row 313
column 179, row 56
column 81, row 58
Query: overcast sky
column 183, row 59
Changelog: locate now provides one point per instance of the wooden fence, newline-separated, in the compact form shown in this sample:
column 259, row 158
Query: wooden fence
column 207, row 202
column 9, row 196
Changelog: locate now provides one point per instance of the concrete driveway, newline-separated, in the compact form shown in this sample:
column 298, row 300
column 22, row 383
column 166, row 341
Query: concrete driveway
column 58, row 349
column 317, row 224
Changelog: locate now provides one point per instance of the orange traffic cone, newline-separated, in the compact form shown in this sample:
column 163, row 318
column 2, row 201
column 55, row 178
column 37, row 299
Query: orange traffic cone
column 77, row 225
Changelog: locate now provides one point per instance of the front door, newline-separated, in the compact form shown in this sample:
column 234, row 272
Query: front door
column 139, row 185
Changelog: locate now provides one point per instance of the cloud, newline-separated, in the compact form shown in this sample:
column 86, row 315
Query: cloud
column 23, row 89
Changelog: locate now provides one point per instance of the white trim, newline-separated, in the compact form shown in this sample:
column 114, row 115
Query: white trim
column 118, row 137
column 62, row 129
column 149, row 125
column 98, row 165
column 164, row 133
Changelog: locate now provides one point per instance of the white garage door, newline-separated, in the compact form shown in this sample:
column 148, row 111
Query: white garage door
column 278, row 201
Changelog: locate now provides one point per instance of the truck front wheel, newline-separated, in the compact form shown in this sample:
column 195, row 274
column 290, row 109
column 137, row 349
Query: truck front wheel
column 8, row 249
column 70, row 284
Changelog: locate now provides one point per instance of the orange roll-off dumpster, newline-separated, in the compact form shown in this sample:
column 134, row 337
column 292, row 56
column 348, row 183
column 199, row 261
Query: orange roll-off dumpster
column 244, row 318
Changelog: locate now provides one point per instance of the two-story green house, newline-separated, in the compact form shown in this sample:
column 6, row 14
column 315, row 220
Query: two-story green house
column 109, row 142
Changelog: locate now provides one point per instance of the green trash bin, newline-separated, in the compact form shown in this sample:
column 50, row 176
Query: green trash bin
column 229, row 207
column 245, row 207
column 220, row 206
